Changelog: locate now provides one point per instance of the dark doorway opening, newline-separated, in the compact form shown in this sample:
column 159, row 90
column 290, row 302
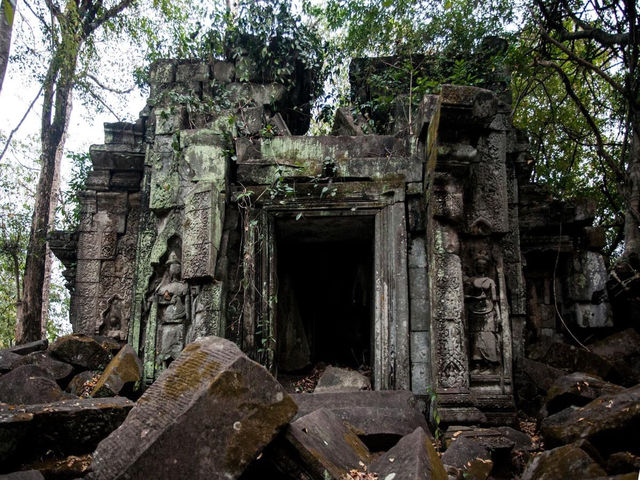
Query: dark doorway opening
column 325, row 292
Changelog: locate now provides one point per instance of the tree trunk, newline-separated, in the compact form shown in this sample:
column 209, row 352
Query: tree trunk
column 7, row 15
column 631, row 223
column 59, row 79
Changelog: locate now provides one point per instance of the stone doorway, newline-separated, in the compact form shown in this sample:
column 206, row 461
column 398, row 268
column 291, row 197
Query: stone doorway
column 325, row 291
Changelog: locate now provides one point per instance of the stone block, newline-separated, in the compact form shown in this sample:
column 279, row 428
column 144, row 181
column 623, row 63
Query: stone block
column 23, row 475
column 224, row 72
column 420, row 378
column 192, row 72
column 562, row 462
column 418, row 284
column 412, row 458
column 220, row 407
column 59, row 371
column 8, row 360
column 68, row 427
column 589, row 275
column 88, row 270
column 98, row 180
column 326, row 446
column 169, row 119
column 371, row 413
column 335, row 379
column 417, row 253
column 112, row 202
column 163, row 72
column 420, row 347
column 576, row 389
column 81, row 351
column 207, row 163
column 30, row 384
column 122, row 372
column 419, row 310
column 26, row 348
column 589, row 315
column 129, row 181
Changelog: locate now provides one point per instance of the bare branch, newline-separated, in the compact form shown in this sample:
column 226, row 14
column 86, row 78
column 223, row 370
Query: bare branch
column 108, row 14
column 15, row 130
column 581, row 61
column 110, row 89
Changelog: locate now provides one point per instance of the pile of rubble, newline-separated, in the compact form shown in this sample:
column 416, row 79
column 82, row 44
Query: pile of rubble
column 214, row 413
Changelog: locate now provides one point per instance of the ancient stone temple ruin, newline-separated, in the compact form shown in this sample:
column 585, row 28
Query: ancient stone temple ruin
column 423, row 253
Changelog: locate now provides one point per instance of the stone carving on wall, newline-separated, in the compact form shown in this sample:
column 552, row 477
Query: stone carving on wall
column 453, row 372
column 483, row 317
column 173, row 305
column 111, row 325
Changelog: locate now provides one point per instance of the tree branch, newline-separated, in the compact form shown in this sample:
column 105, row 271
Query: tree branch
column 15, row 130
column 110, row 89
column 620, row 176
column 108, row 14
column 581, row 61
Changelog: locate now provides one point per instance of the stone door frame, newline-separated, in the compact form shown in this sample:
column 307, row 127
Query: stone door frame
column 385, row 202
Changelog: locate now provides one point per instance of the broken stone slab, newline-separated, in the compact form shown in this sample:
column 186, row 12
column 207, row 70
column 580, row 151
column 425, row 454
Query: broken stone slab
column 371, row 413
column 8, row 360
column 570, row 358
column 68, row 427
column 26, row 348
column 490, row 438
column 344, row 124
column 335, row 379
column 206, row 417
column 623, row 462
column 30, row 384
column 81, row 351
column 412, row 458
column 576, row 389
column 121, row 374
column 562, row 462
column 469, row 455
column 610, row 422
column 60, row 371
column 326, row 446
column 24, row 475
column 622, row 349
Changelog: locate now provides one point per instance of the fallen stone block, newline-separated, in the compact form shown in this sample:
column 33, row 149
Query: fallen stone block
column 8, row 360
column 24, row 475
column 60, row 371
column 623, row 462
column 576, row 389
column 121, row 374
column 206, row 417
column 335, row 379
column 610, row 422
column 469, row 456
column 412, row 458
column 326, row 446
column 562, row 462
column 622, row 349
column 570, row 358
column 80, row 351
column 27, row 348
column 30, row 384
column 380, row 418
column 68, row 427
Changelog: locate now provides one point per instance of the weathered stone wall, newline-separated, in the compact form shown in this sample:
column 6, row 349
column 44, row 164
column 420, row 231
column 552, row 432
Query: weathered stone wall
column 184, row 213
